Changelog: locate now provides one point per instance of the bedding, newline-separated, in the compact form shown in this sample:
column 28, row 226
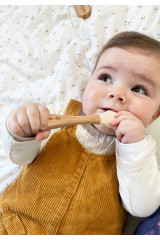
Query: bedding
column 47, row 54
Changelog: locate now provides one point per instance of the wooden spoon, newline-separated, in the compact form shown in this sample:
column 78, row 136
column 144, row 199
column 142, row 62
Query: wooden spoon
column 59, row 121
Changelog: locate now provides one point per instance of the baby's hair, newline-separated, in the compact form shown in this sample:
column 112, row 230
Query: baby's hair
column 134, row 40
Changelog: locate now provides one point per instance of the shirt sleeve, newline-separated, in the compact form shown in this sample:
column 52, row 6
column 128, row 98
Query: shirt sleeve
column 22, row 151
column 138, row 174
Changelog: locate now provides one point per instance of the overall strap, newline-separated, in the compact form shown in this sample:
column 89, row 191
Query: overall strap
column 73, row 108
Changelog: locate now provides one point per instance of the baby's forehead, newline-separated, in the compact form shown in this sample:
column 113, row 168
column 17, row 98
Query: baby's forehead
column 121, row 54
column 141, row 58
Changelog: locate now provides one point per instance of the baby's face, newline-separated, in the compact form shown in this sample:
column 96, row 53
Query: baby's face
column 124, row 80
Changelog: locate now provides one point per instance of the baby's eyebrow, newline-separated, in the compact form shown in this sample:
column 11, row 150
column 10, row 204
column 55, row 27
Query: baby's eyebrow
column 141, row 76
column 145, row 78
column 106, row 67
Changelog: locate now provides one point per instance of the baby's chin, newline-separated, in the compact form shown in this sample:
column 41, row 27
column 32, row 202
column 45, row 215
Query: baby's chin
column 105, row 130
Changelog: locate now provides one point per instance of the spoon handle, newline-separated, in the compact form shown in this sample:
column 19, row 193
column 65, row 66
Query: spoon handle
column 57, row 121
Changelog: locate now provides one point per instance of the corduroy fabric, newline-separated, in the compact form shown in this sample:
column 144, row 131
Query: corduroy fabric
column 67, row 190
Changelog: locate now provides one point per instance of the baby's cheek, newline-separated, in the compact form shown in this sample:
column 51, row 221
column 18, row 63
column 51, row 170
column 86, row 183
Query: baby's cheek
column 86, row 108
column 84, row 104
column 147, row 119
column 87, row 98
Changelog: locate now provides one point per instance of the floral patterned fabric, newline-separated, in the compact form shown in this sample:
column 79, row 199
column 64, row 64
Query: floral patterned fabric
column 150, row 225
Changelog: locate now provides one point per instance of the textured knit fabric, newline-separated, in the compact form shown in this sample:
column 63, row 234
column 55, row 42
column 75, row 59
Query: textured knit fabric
column 66, row 190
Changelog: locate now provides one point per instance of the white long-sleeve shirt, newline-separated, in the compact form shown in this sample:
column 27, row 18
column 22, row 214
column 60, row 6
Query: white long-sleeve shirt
column 137, row 167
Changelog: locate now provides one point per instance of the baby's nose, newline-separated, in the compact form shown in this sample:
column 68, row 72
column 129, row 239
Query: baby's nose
column 117, row 96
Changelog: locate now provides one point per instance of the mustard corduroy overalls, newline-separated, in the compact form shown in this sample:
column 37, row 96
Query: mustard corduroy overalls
column 65, row 190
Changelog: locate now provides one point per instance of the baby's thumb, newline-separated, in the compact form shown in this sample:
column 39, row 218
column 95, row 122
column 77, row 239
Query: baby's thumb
column 42, row 135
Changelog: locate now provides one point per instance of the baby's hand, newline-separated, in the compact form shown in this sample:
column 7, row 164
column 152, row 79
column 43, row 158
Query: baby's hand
column 129, row 129
column 29, row 120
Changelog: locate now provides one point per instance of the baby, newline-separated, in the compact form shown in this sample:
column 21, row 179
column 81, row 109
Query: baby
column 72, row 185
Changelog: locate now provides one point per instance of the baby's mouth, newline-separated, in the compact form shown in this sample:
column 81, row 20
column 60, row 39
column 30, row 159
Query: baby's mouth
column 107, row 109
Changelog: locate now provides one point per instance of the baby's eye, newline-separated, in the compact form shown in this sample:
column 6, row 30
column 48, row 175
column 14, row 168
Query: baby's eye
column 106, row 78
column 139, row 89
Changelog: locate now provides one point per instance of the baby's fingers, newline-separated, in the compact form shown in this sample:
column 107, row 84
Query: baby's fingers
column 33, row 117
column 115, row 122
column 119, row 136
column 119, row 117
column 14, row 126
column 42, row 135
column 44, row 116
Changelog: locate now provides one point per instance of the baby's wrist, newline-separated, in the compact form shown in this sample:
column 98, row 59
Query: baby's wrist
column 132, row 151
column 132, row 140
